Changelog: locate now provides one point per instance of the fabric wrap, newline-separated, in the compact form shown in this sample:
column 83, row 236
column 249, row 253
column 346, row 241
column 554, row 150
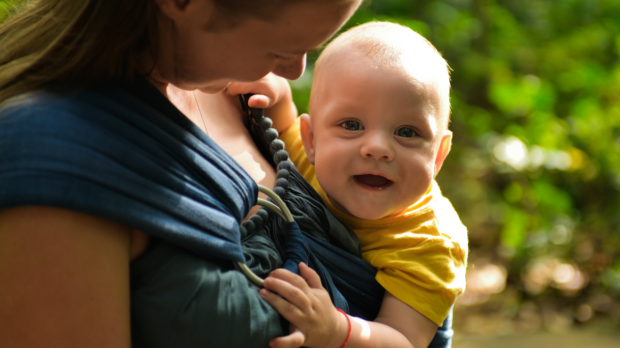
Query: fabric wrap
column 137, row 162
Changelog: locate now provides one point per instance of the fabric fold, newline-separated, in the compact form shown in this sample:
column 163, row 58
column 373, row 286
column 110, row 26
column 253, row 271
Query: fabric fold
column 124, row 154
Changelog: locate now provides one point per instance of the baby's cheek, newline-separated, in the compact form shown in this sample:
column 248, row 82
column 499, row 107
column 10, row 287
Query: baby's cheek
column 327, row 169
column 330, row 182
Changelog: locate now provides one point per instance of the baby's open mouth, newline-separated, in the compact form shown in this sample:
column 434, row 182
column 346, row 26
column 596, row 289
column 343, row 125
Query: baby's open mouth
column 373, row 181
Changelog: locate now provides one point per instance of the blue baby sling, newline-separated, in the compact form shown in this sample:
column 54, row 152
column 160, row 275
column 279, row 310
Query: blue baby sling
column 123, row 152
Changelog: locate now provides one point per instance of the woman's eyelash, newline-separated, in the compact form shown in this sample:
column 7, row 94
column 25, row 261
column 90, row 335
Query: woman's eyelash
column 277, row 56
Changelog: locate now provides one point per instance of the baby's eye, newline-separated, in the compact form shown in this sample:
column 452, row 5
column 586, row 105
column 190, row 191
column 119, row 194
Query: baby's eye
column 405, row 132
column 351, row 125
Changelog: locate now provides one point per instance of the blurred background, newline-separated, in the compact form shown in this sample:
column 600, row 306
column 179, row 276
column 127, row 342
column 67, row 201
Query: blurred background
column 534, row 170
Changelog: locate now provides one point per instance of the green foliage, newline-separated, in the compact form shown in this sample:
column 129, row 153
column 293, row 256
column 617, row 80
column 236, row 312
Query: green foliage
column 534, row 170
column 7, row 7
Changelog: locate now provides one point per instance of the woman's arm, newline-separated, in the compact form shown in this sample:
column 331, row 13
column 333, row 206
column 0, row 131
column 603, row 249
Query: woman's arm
column 316, row 323
column 64, row 279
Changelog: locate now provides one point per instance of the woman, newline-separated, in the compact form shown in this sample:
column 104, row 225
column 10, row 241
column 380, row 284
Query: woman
column 65, row 272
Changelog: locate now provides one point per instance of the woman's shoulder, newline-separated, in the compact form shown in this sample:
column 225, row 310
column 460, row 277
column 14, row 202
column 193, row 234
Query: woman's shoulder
column 119, row 98
column 32, row 103
column 47, row 110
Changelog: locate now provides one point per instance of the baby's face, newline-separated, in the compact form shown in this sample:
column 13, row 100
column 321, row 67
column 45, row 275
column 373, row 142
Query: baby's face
column 375, row 139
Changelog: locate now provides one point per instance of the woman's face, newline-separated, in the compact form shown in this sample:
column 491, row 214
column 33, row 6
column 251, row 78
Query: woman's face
column 193, row 57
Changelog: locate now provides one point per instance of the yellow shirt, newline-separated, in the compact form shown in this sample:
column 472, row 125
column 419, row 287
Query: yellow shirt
column 420, row 255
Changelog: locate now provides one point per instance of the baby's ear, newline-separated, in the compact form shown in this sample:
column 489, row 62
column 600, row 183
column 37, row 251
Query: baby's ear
column 307, row 136
column 444, row 149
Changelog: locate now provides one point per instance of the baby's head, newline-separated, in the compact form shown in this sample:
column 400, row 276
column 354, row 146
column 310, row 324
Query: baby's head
column 379, row 110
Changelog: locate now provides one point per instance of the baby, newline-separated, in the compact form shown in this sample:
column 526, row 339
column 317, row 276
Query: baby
column 373, row 142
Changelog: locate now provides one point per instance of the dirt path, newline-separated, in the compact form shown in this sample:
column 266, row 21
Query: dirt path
column 572, row 339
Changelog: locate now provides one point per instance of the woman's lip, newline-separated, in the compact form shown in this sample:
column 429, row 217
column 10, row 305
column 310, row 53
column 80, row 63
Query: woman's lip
column 364, row 182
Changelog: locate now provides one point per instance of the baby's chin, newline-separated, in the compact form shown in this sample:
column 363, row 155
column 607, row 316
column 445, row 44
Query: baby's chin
column 365, row 214
column 373, row 215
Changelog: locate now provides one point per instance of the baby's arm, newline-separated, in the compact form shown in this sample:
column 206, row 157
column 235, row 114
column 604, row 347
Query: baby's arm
column 271, row 93
column 398, row 315
column 315, row 322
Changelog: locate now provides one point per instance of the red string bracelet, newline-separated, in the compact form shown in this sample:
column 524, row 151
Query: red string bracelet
column 348, row 321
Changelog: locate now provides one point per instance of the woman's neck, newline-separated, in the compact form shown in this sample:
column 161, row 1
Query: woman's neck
column 147, row 68
column 156, row 80
column 187, row 103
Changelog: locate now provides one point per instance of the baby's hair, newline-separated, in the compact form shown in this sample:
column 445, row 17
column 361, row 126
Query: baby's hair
column 388, row 44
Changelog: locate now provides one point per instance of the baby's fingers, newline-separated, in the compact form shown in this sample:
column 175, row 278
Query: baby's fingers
column 236, row 88
column 263, row 96
column 261, row 86
column 295, row 290
column 288, row 310
column 290, row 277
column 295, row 339
column 271, row 89
column 311, row 277
column 260, row 101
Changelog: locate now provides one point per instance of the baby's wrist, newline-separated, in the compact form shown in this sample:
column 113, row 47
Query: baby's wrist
column 343, row 331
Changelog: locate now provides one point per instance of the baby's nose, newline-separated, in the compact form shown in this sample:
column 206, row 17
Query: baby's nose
column 378, row 147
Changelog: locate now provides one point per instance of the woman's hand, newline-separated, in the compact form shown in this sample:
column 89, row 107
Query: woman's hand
column 271, row 93
column 304, row 302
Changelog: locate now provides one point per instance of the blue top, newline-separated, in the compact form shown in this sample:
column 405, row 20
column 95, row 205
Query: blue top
column 125, row 153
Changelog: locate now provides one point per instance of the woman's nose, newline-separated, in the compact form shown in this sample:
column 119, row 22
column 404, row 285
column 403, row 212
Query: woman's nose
column 291, row 68
column 377, row 147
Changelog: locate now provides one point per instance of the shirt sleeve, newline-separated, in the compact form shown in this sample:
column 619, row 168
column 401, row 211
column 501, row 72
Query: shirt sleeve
column 425, row 268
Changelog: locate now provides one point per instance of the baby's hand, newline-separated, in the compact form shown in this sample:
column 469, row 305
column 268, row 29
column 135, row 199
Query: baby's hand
column 271, row 93
column 315, row 322
column 268, row 91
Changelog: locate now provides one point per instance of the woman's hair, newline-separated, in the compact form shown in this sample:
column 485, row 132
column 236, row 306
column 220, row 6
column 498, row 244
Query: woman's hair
column 77, row 42
column 72, row 41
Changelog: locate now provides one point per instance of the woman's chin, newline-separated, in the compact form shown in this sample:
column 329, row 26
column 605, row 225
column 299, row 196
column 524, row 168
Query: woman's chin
column 215, row 88
column 212, row 87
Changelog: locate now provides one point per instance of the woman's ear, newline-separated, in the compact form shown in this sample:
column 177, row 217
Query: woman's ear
column 307, row 136
column 444, row 149
column 175, row 9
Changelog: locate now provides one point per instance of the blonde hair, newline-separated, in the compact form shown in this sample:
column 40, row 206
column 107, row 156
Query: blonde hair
column 72, row 42
column 388, row 44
